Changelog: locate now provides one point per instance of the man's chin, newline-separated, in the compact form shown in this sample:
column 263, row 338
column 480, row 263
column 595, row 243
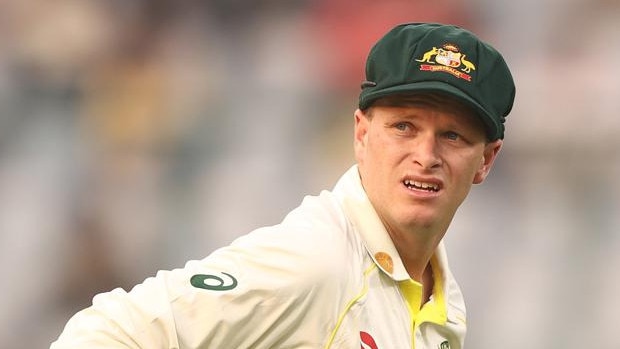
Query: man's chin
column 418, row 220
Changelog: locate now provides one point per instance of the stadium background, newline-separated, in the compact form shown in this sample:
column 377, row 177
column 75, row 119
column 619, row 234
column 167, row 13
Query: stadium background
column 136, row 135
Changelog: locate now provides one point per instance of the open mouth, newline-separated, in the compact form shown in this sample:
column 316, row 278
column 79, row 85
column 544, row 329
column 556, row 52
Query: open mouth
column 429, row 187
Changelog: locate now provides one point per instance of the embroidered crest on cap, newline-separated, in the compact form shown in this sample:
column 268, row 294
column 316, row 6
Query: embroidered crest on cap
column 447, row 59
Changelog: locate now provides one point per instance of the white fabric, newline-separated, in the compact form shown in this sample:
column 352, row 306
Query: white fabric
column 308, row 282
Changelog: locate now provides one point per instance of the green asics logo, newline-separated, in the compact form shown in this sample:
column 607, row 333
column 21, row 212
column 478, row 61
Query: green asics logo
column 213, row 282
column 444, row 345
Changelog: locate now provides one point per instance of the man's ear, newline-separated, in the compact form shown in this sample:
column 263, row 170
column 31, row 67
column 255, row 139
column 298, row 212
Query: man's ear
column 360, row 134
column 490, row 154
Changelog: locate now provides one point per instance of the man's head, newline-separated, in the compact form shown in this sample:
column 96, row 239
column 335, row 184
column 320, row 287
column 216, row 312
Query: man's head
column 429, row 123
column 418, row 156
column 444, row 59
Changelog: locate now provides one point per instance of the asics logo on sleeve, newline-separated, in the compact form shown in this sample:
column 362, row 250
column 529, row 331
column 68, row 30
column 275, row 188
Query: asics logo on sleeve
column 214, row 282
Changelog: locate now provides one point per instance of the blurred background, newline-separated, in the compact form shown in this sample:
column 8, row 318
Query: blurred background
column 138, row 134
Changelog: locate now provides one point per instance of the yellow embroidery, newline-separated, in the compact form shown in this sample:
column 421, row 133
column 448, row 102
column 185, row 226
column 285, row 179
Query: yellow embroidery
column 385, row 261
column 447, row 59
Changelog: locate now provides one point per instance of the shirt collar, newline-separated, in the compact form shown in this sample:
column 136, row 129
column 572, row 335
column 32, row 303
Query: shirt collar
column 364, row 218
column 362, row 215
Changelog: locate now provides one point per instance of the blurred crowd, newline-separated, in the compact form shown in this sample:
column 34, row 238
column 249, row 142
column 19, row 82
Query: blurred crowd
column 136, row 135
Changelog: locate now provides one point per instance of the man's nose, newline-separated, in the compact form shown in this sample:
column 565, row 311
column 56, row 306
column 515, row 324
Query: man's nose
column 426, row 152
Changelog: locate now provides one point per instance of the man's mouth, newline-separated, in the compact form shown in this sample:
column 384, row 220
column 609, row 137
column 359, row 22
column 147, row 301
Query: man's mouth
column 430, row 187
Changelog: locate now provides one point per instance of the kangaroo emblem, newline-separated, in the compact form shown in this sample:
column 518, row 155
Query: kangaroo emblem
column 447, row 58
column 428, row 55
column 469, row 66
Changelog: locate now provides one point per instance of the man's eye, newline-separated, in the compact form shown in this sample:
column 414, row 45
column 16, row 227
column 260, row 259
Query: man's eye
column 452, row 135
column 401, row 126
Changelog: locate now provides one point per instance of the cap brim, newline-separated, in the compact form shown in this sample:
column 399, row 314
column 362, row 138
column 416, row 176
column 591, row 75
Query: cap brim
column 493, row 129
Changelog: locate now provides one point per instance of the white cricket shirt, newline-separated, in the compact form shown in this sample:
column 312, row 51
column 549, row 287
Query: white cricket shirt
column 327, row 276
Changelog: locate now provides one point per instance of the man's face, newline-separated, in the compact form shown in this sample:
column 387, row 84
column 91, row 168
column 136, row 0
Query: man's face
column 418, row 163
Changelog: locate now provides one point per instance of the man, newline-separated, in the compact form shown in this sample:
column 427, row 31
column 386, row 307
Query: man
column 363, row 264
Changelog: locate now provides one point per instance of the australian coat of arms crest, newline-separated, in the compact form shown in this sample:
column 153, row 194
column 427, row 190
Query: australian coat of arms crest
column 447, row 58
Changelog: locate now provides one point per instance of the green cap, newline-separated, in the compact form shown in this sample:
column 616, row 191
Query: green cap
column 446, row 59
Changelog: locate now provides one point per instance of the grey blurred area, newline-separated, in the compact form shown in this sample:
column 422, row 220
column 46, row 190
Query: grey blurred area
column 137, row 135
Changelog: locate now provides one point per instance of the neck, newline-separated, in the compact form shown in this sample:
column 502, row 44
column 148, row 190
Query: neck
column 415, row 248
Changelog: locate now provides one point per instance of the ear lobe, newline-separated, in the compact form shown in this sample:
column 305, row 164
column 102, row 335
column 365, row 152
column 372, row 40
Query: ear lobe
column 488, row 158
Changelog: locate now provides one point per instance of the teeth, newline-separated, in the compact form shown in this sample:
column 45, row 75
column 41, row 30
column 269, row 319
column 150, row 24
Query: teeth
column 421, row 185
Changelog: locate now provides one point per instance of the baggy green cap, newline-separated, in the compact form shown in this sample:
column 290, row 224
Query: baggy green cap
column 446, row 59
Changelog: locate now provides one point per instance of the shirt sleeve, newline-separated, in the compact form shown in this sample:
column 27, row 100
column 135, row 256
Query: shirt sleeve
column 262, row 288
